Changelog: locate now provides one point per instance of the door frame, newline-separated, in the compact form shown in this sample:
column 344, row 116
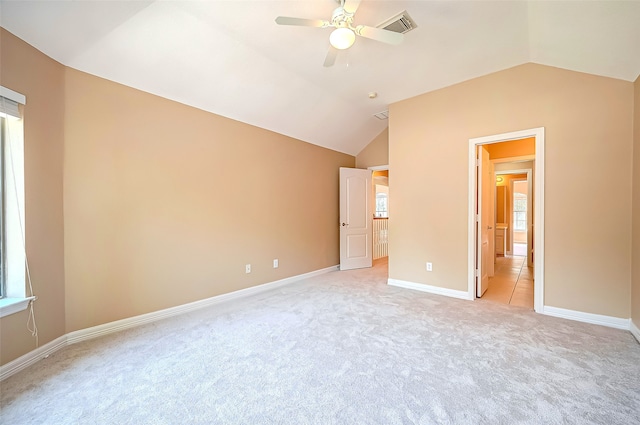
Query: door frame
column 372, row 169
column 538, row 243
column 529, row 217
column 529, row 173
column 373, row 209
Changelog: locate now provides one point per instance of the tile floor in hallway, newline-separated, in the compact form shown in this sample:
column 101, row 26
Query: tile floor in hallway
column 512, row 282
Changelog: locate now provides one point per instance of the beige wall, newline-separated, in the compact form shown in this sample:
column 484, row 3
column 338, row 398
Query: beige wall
column 165, row 204
column 588, row 122
column 635, row 289
column 41, row 80
column 376, row 152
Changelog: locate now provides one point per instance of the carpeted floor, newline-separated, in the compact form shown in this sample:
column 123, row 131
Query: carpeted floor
column 341, row 348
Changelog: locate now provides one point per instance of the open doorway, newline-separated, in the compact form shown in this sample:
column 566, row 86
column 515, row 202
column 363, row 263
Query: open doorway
column 488, row 231
column 515, row 206
column 519, row 219
column 381, row 213
column 364, row 217
column 513, row 281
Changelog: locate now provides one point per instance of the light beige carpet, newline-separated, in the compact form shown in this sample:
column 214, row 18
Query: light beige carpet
column 341, row 348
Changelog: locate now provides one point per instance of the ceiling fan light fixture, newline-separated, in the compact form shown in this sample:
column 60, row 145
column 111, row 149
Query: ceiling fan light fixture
column 342, row 38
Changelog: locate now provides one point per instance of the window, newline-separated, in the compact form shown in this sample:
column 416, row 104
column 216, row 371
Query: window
column 381, row 205
column 2, row 214
column 519, row 212
column 382, row 201
column 13, row 297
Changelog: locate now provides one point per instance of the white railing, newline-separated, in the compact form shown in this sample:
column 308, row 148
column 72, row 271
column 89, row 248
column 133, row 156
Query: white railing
column 380, row 237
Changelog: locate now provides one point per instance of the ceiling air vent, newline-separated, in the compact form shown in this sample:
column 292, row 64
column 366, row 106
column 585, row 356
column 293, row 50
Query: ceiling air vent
column 401, row 23
column 382, row 115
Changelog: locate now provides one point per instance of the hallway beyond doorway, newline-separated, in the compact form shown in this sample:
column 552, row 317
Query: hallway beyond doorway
column 512, row 282
column 519, row 249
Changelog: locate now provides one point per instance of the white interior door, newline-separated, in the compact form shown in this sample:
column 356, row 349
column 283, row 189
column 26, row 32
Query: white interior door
column 356, row 219
column 484, row 230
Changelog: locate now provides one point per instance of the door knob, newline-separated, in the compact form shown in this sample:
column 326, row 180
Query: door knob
column 489, row 227
column 344, row 224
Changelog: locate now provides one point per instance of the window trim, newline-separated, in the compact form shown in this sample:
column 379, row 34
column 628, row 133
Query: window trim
column 514, row 211
column 10, row 306
column 15, row 297
column 3, row 259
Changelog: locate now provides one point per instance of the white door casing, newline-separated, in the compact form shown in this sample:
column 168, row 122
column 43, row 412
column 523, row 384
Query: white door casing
column 356, row 217
column 529, row 217
column 538, row 209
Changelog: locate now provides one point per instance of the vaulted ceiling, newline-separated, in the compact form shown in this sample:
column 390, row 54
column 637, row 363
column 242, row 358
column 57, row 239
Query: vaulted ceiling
column 230, row 57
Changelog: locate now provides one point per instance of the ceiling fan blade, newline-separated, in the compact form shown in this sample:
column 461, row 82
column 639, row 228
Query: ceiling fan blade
column 379, row 34
column 301, row 22
column 351, row 6
column 330, row 59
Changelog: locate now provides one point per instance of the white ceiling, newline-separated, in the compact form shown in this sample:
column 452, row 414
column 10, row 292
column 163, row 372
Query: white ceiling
column 230, row 58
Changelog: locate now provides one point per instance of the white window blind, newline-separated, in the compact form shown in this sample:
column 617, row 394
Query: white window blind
column 9, row 107
column 9, row 101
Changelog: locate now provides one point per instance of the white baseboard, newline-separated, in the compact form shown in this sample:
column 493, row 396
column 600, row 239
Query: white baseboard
column 32, row 357
column 143, row 319
column 430, row 289
column 596, row 319
column 634, row 330
column 39, row 353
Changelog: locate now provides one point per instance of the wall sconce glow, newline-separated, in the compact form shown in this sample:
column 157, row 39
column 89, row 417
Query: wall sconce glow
column 499, row 179
column 342, row 38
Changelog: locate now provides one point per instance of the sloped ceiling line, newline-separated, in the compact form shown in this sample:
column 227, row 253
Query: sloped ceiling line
column 230, row 58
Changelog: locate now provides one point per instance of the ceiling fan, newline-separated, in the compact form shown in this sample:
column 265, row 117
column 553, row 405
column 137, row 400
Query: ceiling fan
column 344, row 34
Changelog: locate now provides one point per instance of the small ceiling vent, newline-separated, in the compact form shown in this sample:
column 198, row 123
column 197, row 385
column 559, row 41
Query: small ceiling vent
column 401, row 23
column 382, row 115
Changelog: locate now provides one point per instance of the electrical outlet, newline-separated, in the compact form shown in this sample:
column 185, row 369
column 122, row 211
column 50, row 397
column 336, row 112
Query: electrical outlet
column 429, row 267
column 247, row 268
column 275, row 263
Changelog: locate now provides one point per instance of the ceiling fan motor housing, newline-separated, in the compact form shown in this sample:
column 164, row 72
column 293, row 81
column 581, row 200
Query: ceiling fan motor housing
column 341, row 18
